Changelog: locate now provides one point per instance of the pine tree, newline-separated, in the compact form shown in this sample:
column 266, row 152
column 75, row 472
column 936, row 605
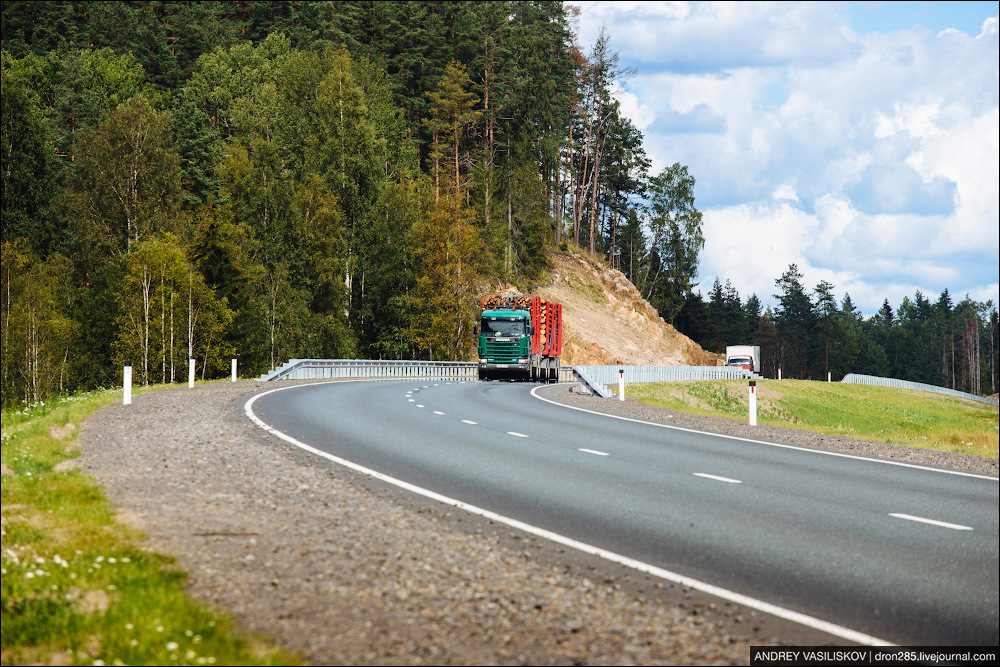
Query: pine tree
column 28, row 173
column 795, row 320
column 195, row 140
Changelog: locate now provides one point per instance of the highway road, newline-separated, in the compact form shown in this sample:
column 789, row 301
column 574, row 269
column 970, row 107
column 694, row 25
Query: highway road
column 897, row 553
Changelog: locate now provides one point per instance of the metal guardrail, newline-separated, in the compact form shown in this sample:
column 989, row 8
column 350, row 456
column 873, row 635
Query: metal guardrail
column 634, row 374
column 324, row 369
column 857, row 378
column 332, row 369
column 592, row 378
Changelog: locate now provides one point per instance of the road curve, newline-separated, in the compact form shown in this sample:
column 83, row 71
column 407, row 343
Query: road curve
column 907, row 555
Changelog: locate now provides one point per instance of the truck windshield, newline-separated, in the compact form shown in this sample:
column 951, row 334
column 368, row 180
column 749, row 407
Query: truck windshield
column 492, row 327
column 740, row 361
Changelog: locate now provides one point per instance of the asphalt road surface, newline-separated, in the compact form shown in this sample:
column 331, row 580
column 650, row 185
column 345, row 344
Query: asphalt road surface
column 903, row 554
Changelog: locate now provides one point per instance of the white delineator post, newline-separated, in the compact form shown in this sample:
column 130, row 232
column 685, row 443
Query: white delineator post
column 779, row 373
column 191, row 372
column 753, row 402
column 127, row 386
column 621, row 384
column 234, row 370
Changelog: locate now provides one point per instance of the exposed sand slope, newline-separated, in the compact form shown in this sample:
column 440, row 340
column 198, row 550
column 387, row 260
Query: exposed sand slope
column 606, row 320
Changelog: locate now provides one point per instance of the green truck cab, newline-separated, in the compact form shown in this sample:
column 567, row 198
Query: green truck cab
column 519, row 338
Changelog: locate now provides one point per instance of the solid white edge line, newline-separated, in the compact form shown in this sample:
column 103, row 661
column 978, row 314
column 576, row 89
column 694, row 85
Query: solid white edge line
column 667, row 575
column 770, row 444
column 716, row 478
column 933, row 522
column 593, row 451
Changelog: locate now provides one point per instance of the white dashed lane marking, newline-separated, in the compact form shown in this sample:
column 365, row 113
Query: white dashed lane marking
column 933, row 522
column 594, row 451
column 717, row 478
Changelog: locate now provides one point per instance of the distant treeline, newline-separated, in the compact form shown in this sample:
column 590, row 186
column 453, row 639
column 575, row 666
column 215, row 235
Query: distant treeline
column 809, row 334
column 269, row 180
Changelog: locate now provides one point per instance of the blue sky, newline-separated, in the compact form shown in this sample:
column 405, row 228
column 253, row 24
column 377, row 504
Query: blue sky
column 857, row 140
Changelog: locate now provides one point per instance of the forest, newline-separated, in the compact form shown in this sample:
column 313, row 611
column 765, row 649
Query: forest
column 270, row 180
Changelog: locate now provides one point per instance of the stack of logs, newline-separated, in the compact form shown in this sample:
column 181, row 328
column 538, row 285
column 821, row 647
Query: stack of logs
column 508, row 301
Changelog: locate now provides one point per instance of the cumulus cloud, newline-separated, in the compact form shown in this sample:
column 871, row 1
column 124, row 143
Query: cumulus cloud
column 869, row 159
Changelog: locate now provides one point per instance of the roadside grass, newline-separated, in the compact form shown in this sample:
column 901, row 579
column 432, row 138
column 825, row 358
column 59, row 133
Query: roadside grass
column 882, row 414
column 78, row 587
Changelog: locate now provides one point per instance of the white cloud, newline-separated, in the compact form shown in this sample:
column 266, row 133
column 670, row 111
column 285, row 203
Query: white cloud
column 869, row 160
column 785, row 191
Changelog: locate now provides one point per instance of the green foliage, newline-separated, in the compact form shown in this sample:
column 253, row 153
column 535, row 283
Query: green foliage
column 796, row 320
column 675, row 240
column 449, row 248
column 37, row 328
column 195, row 141
column 28, row 174
column 127, row 177
column 168, row 314
column 448, row 252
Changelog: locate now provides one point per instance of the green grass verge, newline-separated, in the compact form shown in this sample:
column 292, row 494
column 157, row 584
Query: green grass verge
column 881, row 414
column 78, row 586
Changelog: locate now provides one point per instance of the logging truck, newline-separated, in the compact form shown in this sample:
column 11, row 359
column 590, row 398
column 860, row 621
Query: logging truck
column 519, row 338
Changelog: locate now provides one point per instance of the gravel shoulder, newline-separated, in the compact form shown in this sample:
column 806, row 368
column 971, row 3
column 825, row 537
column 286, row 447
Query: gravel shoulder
column 344, row 569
